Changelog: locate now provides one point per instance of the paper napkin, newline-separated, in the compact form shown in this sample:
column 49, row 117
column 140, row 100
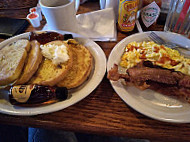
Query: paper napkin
column 97, row 25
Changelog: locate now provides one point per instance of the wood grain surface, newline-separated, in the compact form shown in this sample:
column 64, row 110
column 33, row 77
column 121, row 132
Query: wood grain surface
column 103, row 112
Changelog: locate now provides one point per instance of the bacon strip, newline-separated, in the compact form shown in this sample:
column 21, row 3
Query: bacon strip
column 114, row 75
column 145, row 73
column 161, row 80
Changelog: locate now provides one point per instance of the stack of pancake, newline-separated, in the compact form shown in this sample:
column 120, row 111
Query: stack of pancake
column 22, row 62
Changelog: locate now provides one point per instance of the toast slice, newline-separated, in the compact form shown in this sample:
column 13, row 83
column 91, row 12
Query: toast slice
column 49, row 74
column 12, row 58
column 32, row 63
column 82, row 66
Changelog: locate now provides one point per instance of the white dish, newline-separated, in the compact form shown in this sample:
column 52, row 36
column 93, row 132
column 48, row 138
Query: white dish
column 148, row 102
column 76, row 94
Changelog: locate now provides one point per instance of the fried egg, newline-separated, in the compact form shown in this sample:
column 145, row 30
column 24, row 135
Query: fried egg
column 160, row 55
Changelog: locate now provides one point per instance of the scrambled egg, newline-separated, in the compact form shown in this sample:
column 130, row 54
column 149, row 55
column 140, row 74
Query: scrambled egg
column 158, row 54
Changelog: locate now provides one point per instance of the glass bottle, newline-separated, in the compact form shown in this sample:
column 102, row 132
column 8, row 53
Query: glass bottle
column 127, row 15
column 149, row 14
column 30, row 95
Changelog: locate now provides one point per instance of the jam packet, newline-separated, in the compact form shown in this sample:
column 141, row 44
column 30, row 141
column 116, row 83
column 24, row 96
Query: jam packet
column 150, row 13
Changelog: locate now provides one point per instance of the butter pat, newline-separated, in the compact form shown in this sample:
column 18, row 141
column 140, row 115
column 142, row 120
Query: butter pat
column 57, row 53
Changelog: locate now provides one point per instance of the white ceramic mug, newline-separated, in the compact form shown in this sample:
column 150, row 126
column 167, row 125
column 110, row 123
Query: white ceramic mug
column 60, row 14
column 110, row 4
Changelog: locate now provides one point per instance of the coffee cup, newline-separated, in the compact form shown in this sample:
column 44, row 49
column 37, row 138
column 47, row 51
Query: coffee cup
column 60, row 14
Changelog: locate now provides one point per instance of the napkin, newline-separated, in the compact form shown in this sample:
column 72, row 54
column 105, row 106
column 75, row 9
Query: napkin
column 97, row 25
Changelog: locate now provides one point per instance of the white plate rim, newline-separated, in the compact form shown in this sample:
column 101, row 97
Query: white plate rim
column 90, row 85
column 119, row 88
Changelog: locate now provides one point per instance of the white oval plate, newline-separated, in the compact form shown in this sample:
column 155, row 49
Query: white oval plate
column 75, row 95
column 148, row 102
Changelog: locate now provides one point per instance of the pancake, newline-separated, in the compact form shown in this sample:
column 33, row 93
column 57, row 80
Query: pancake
column 32, row 63
column 50, row 74
column 82, row 66
column 12, row 59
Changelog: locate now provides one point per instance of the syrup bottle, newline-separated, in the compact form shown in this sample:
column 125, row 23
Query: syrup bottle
column 30, row 95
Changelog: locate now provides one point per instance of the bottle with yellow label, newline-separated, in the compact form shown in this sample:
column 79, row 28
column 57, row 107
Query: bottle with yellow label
column 127, row 14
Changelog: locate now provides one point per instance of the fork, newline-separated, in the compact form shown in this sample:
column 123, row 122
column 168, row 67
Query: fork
column 161, row 41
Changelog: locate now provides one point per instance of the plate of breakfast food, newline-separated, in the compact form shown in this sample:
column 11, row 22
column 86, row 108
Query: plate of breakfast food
column 152, row 79
column 43, row 72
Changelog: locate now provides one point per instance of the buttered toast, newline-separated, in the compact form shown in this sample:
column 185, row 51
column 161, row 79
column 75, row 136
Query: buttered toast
column 32, row 63
column 50, row 74
column 82, row 66
column 12, row 58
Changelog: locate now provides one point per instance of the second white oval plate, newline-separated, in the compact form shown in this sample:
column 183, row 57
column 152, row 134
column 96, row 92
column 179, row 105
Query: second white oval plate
column 148, row 102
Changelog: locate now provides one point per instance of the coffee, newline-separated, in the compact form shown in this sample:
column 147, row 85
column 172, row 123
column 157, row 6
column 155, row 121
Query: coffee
column 55, row 3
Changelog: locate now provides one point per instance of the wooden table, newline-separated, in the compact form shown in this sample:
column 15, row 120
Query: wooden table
column 103, row 112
